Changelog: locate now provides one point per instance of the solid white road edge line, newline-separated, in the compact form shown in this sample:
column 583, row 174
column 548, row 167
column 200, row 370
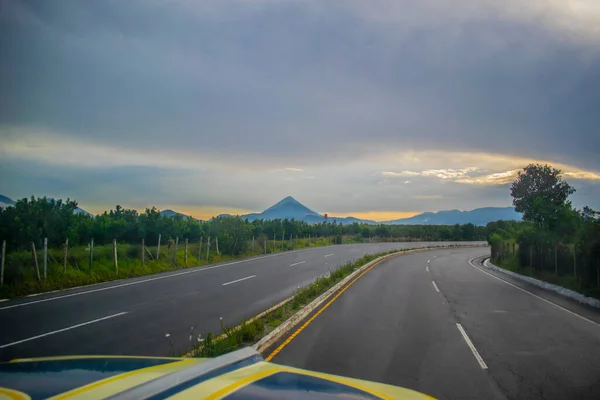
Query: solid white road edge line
column 428, row 261
column 328, row 255
column 471, row 346
column 427, row 269
column 531, row 294
column 239, row 280
column 435, row 287
column 298, row 263
column 61, row 330
column 191, row 271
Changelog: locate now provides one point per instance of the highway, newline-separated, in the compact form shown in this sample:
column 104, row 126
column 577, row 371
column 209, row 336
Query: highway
column 133, row 316
column 432, row 322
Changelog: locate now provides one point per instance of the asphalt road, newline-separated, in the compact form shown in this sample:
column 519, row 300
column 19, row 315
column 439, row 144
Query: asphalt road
column 394, row 326
column 133, row 316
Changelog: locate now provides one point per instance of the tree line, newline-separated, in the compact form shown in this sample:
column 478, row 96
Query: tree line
column 33, row 219
column 554, row 239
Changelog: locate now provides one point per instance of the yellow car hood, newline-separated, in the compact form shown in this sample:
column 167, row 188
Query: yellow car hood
column 240, row 375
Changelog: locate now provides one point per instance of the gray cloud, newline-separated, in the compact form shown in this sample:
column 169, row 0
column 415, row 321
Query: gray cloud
column 303, row 83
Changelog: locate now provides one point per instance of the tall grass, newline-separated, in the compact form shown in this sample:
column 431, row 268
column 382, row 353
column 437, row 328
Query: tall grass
column 20, row 277
column 569, row 282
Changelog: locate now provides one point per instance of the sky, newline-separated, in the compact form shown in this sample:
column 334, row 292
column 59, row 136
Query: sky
column 378, row 109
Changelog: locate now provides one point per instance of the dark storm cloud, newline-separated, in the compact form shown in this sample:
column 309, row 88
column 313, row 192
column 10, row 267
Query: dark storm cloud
column 290, row 80
column 188, row 103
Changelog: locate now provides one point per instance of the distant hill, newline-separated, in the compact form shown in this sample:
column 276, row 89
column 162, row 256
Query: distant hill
column 478, row 216
column 171, row 213
column 7, row 202
column 286, row 208
column 291, row 208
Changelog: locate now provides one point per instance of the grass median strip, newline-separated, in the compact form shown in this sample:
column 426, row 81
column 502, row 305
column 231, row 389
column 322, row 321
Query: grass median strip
column 252, row 331
column 249, row 332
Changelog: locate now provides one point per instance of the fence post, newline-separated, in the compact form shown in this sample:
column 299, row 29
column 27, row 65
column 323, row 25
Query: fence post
column 45, row 258
column 175, row 254
column 266, row 240
column 530, row 256
column 35, row 262
column 185, row 253
column 2, row 263
column 158, row 247
column 575, row 261
column 555, row 259
column 252, row 244
column 66, row 253
column 143, row 255
column 91, row 253
column 115, row 256
column 200, row 249
column 207, row 248
column 291, row 242
column 274, row 244
column 282, row 240
column 217, row 244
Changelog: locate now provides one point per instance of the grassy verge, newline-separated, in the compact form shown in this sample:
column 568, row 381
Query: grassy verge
column 248, row 333
column 20, row 277
column 568, row 282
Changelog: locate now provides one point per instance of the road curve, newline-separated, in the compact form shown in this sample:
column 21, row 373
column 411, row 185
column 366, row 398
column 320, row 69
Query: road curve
column 133, row 316
column 435, row 323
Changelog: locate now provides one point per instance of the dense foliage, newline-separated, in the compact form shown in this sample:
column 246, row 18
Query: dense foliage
column 554, row 240
column 31, row 220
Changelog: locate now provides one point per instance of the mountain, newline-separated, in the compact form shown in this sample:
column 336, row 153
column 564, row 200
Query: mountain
column 7, row 202
column 286, row 208
column 478, row 216
column 291, row 208
column 82, row 211
column 171, row 213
